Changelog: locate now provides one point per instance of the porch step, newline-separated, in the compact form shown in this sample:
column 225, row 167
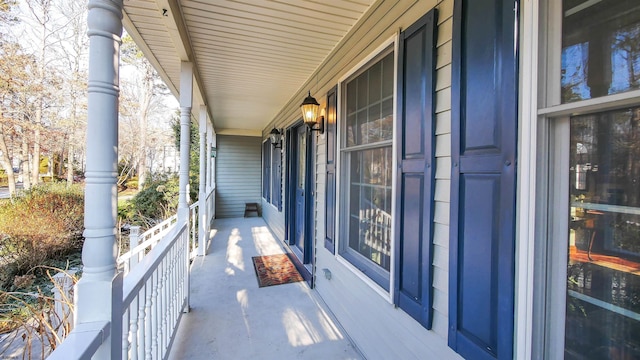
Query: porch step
column 251, row 207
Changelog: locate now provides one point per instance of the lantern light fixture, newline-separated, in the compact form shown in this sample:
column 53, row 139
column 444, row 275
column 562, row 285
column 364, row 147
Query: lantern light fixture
column 276, row 138
column 310, row 114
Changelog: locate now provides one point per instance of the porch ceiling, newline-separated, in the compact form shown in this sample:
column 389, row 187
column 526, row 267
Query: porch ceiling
column 250, row 56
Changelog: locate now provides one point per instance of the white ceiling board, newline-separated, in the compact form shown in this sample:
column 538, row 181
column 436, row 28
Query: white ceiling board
column 251, row 56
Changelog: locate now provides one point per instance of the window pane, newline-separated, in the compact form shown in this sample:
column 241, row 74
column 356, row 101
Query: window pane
column 600, row 48
column 603, row 276
column 370, row 120
column 370, row 208
column 375, row 83
column 351, row 129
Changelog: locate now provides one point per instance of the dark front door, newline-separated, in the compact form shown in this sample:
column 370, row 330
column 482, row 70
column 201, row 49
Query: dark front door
column 300, row 170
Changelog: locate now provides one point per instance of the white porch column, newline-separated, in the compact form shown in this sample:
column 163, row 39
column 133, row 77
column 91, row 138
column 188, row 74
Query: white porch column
column 209, row 158
column 186, row 95
column 203, row 213
column 98, row 292
column 214, row 143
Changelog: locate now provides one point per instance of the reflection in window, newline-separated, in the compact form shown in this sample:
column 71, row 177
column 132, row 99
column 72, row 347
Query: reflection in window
column 600, row 48
column 367, row 165
column 603, row 277
column 370, row 205
column 370, row 104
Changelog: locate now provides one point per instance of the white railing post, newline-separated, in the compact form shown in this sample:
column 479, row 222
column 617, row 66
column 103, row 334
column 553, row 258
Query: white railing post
column 98, row 288
column 63, row 315
column 134, row 240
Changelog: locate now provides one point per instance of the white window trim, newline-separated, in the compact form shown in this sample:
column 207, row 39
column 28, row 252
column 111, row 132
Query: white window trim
column 526, row 182
column 387, row 295
column 544, row 134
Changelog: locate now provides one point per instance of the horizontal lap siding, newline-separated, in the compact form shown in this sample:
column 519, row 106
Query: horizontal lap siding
column 274, row 219
column 379, row 329
column 238, row 174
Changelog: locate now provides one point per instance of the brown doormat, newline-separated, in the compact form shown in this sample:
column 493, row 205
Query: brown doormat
column 275, row 270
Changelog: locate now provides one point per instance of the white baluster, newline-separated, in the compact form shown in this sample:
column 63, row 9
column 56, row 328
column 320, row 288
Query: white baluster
column 133, row 328
column 141, row 321
column 158, row 299
column 165, row 287
column 147, row 320
column 185, row 277
column 125, row 333
column 154, row 315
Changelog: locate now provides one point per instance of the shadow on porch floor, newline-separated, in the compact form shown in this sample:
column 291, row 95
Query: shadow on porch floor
column 232, row 318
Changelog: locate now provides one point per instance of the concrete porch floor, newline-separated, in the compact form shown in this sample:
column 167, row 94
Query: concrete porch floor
column 232, row 318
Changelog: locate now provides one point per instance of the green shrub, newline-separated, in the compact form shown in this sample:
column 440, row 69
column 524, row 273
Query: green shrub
column 157, row 200
column 42, row 227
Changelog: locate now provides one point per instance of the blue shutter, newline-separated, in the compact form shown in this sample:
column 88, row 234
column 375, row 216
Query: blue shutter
column 414, row 195
column 483, row 180
column 330, row 191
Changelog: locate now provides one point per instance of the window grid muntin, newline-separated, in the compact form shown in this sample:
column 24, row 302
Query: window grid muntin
column 349, row 151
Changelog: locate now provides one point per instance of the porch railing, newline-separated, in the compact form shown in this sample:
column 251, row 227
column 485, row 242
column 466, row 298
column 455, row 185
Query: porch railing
column 154, row 295
column 154, row 288
column 139, row 245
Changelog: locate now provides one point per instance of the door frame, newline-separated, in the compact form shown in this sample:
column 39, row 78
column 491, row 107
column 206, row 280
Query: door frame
column 304, row 262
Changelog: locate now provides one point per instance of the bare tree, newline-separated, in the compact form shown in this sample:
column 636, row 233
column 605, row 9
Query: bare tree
column 15, row 84
column 74, row 48
column 146, row 90
column 44, row 28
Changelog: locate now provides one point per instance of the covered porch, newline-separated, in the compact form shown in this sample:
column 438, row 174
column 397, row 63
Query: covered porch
column 232, row 318
column 235, row 68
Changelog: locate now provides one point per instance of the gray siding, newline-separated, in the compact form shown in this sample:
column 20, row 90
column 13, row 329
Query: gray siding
column 380, row 330
column 238, row 174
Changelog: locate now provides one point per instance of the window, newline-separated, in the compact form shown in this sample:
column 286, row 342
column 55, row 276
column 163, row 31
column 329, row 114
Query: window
column 603, row 284
column 594, row 278
column 367, row 167
column 272, row 174
column 266, row 170
column 276, row 178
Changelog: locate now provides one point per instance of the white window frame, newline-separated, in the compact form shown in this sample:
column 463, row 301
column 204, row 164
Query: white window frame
column 340, row 192
column 543, row 180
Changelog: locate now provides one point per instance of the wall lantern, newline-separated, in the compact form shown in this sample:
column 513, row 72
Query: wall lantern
column 276, row 138
column 214, row 151
column 310, row 111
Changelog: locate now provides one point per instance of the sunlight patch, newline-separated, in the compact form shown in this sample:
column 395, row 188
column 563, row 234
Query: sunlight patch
column 234, row 252
column 300, row 330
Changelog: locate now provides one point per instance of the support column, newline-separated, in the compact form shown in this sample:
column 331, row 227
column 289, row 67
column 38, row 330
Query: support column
column 97, row 291
column 186, row 96
column 203, row 212
column 209, row 158
column 214, row 186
